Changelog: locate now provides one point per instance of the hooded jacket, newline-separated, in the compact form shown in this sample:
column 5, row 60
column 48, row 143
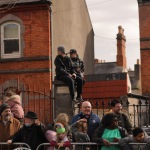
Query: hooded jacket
column 15, row 103
column 124, row 143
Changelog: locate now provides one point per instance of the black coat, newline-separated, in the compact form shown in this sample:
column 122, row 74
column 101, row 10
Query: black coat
column 33, row 135
column 78, row 64
column 64, row 66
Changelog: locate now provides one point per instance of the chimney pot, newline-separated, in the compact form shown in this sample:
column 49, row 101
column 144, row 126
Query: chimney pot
column 138, row 61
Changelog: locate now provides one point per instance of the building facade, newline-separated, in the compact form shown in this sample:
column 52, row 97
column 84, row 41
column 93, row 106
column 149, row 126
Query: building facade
column 72, row 28
column 144, row 21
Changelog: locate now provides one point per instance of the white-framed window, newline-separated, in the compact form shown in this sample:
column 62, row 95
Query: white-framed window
column 10, row 40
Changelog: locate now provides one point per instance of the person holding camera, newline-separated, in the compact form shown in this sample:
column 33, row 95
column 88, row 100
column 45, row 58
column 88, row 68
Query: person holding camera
column 86, row 115
column 78, row 64
column 32, row 132
column 65, row 72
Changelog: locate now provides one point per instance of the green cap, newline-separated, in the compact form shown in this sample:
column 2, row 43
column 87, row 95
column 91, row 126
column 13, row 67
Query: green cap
column 60, row 130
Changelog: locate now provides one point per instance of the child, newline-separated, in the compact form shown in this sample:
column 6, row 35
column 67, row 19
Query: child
column 61, row 140
column 62, row 118
column 50, row 136
column 15, row 103
column 138, row 137
column 79, row 131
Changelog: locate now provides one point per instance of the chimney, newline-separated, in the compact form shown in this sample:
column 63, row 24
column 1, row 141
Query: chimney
column 121, row 39
column 96, row 61
column 137, row 70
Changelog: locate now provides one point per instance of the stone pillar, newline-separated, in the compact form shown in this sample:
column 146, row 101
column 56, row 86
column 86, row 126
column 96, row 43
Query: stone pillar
column 62, row 99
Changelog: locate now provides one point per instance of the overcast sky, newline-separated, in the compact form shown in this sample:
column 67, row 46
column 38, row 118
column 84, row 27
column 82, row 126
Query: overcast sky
column 106, row 16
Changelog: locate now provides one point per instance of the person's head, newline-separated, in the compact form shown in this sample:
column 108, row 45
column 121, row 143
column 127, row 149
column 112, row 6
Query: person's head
column 5, row 112
column 86, row 108
column 60, row 130
column 15, row 98
column 82, row 126
column 30, row 118
column 110, row 120
column 138, row 134
column 62, row 118
column 50, row 135
column 73, row 53
column 8, row 95
column 61, row 50
column 116, row 106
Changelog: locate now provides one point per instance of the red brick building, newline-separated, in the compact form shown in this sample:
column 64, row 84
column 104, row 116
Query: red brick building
column 31, row 31
column 144, row 22
column 26, row 44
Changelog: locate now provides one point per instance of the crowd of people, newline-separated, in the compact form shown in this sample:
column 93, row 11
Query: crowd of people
column 115, row 126
column 83, row 127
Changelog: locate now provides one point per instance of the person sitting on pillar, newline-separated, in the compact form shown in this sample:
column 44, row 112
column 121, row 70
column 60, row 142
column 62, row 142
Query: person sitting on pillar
column 66, row 73
column 78, row 64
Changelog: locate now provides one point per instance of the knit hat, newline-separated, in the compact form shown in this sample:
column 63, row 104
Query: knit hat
column 59, row 128
column 31, row 115
column 61, row 49
column 3, row 107
column 73, row 51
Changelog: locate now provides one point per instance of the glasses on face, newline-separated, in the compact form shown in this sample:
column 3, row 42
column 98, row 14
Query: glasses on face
column 86, row 106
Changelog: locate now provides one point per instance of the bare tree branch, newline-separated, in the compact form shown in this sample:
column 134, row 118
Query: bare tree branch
column 6, row 5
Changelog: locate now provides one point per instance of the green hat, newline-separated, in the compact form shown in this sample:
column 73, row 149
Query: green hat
column 60, row 130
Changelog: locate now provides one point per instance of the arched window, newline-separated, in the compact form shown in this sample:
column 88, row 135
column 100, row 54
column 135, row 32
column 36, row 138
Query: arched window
column 10, row 40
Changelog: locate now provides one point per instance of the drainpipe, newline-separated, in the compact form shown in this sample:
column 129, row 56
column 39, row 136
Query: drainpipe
column 52, row 59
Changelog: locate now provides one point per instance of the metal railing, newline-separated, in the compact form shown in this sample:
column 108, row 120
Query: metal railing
column 137, row 109
column 86, row 146
column 14, row 146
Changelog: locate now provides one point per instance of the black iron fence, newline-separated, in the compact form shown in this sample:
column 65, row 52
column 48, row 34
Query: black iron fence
column 136, row 107
column 33, row 99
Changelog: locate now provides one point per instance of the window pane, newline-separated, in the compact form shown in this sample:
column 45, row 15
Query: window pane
column 11, row 31
column 11, row 46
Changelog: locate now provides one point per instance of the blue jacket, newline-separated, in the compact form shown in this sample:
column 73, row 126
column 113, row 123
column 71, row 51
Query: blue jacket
column 93, row 122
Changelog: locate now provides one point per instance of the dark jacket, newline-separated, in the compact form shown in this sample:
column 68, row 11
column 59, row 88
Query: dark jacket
column 125, row 122
column 78, row 64
column 97, row 137
column 124, row 144
column 93, row 122
column 64, row 66
column 79, row 136
column 33, row 135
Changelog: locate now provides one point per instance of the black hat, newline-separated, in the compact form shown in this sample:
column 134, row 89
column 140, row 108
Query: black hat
column 73, row 51
column 31, row 115
column 3, row 107
column 61, row 49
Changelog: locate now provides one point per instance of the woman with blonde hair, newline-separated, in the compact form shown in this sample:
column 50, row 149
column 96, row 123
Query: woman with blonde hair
column 62, row 118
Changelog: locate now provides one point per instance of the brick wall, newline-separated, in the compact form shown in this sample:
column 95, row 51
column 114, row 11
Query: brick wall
column 144, row 21
column 36, row 45
column 105, row 89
